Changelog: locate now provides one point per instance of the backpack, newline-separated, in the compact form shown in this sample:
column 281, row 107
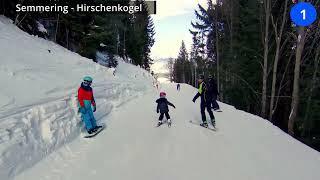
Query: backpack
column 212, row 87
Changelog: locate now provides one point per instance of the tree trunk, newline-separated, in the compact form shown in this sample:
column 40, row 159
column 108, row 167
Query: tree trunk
column 183, row 73
column 307, row 122
column 195, row 76
column 57, row 27
column 67, row 37
column 124, row 45
column 217, row 48
column 231, row 29
column 192, row 73
column 265, row 59
column 295, row 93
column 16, row 21
column 274, row 80
column 278, row 37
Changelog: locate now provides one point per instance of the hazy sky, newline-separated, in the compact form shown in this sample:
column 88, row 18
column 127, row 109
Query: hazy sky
column 172, row 24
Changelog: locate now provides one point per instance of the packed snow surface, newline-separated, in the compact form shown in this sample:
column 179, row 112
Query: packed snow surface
column 38, row 107
column 244, row 147
column 41, row 138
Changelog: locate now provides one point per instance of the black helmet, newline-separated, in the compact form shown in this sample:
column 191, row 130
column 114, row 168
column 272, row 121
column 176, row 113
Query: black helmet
column 201, row 76
column 210, row 76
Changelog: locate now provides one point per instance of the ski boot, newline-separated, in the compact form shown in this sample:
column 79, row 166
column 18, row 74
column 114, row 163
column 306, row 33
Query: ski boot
column 95, row 129
column 159, row 123
column 204, row 124
column 213, row 122
column 91, row 131
column 217, row 109
column 169, row 122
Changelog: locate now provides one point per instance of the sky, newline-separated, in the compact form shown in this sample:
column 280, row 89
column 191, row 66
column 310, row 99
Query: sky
column 172, row 24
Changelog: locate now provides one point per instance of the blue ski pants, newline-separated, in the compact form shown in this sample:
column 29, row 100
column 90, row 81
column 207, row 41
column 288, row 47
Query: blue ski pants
column 87, row 115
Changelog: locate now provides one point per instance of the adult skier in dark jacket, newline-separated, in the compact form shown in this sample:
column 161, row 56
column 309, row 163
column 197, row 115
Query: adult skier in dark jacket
column 163, row 108
column 213, row 93
column 205, row 103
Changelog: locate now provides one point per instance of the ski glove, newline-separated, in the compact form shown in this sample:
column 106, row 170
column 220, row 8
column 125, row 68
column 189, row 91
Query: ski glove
column 82, row 110
column 157, row 110
column 94, row 108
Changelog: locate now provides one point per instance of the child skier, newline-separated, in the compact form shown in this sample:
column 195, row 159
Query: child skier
column 163, row 108
column 86, row 99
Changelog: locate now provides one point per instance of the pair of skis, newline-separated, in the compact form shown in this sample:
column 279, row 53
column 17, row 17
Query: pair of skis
column 168, row 123
column 192, row 122
column 210, row 128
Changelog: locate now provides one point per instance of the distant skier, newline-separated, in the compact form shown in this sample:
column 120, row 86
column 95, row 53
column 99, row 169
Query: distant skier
column 86, row 100
column 213, row 93
column 178, row 87
column 205, row 102
column 163, row 108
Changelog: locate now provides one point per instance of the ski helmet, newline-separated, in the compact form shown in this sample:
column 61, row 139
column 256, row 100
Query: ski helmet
column 201, row 76
column 88, row 79
column 210, row 76
column 162, row 94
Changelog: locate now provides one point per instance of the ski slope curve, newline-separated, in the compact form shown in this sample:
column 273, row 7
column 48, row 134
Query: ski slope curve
column 245, row 147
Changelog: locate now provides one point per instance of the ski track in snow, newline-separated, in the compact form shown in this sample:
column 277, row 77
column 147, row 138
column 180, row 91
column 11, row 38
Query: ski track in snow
column 245, row 147
column 32, row 134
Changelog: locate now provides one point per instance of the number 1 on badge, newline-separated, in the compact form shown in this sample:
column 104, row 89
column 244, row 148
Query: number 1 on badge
column 303, row 12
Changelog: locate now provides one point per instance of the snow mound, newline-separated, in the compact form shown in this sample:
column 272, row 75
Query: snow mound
column 41, row 28
column 38, row 107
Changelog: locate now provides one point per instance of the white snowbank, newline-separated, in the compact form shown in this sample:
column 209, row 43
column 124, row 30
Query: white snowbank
column 38, row 106
column 41, row 28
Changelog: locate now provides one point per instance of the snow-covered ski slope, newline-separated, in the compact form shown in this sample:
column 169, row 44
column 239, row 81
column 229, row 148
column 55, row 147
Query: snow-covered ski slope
column 39, row 126
column 38, row 107
column 245, row 147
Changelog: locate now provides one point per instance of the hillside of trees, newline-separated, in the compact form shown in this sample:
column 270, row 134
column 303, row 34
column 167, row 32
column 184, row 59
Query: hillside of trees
column 127, row 35
column 262, row 62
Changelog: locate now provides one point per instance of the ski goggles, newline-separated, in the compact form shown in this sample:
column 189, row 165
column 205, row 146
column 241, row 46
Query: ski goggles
column 87, row 83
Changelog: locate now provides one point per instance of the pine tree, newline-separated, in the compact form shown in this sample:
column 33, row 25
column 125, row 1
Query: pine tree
column 141, row 37
column 123, row 34
column 181, row 65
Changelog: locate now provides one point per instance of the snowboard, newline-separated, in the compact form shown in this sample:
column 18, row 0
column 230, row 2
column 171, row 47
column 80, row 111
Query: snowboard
column 95, row 133
column 210, row 128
